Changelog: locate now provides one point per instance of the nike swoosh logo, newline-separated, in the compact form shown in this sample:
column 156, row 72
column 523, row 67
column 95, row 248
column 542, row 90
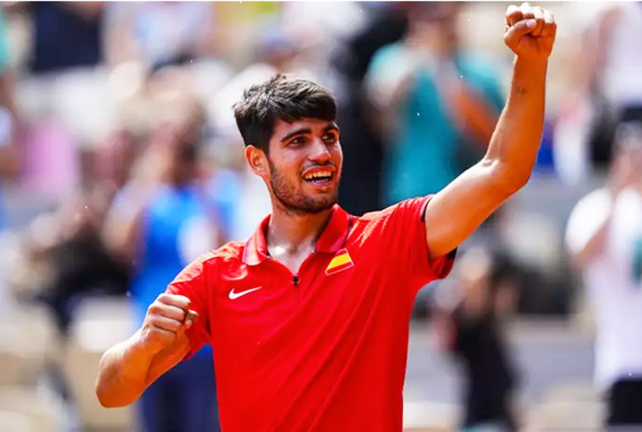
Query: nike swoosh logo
column 235, row 295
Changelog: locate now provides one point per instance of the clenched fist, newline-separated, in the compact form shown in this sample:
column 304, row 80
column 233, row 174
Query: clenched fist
column 166, row 321
column 530, row 32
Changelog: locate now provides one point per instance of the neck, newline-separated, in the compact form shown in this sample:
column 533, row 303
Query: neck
column 291, row 233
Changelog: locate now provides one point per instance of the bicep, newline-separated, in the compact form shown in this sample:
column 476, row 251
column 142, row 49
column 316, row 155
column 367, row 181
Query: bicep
column 454, row 213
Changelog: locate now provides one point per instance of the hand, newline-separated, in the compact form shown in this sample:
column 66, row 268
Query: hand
column 530, row 32
column 166, row 321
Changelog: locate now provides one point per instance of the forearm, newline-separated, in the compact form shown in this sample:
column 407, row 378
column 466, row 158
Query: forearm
column 123, row 374
column 515, row 143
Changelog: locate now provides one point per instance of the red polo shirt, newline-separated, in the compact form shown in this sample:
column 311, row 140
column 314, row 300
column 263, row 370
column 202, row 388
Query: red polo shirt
column 322, row 350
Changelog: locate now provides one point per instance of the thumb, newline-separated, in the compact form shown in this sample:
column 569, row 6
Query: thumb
column 517, row 31
column 190, row 318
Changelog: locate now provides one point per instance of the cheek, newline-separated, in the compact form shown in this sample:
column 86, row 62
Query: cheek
column 285, row 173
column 337, row 154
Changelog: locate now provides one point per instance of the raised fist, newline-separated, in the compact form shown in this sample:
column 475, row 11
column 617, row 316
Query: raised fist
column 166, row 321
column 530, row 32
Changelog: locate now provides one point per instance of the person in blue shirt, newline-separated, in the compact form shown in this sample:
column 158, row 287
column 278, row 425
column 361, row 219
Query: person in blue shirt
column 9, row 160
column 438, row 104
column 162, row 226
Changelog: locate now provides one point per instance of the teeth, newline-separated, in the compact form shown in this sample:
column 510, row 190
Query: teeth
column 320, row 174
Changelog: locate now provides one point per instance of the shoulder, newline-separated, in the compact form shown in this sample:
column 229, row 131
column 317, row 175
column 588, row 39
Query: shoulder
column 213, row 262
column 402, row 206
column 402, row 213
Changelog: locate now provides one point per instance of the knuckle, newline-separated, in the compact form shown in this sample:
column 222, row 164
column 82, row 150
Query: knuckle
column 173, row 316
column 154, row 321
column 185, row 302
column 174, row 325
column 164, row 298
column 153, row 309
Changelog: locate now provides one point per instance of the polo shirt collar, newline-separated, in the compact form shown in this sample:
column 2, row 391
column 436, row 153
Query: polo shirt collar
column 332, row 238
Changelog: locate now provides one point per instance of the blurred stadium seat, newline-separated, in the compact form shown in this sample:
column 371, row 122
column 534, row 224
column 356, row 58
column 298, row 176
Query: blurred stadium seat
column 15, row 422
column 33, row 407
column 566, row 416
column 27, row 341
column 429, row 417
column 100, row 323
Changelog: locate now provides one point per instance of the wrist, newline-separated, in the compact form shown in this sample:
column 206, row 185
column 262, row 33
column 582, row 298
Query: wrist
column 535, row 67
column 528, row 75
column 138, row 347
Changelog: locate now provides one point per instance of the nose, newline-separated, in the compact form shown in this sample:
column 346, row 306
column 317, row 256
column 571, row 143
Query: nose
column 319, row 152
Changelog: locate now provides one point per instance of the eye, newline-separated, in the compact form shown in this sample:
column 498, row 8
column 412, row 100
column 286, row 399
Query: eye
column 297, row 141
column 330, row 137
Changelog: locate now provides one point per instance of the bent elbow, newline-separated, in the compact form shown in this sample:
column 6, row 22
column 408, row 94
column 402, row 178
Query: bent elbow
column 509, row 179
column 107, row 398
column 103, row 398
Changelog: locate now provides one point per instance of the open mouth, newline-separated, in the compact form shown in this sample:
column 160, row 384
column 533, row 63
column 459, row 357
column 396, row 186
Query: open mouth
column 320, row 178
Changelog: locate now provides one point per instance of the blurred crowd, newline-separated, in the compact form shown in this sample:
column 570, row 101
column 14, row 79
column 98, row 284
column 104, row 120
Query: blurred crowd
column 120, row 160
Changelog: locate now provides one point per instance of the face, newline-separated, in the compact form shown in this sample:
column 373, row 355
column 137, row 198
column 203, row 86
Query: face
column 303, row 167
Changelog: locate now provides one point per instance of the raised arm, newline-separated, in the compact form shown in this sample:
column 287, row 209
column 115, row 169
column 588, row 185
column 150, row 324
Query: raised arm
column 458, row 210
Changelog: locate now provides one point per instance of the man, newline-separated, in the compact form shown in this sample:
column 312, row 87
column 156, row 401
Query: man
column 309, row 318
column 604, row 238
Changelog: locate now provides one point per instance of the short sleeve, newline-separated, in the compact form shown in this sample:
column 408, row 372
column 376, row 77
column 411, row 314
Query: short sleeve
column 191, row 283
column 405, row 235
column 585, row 220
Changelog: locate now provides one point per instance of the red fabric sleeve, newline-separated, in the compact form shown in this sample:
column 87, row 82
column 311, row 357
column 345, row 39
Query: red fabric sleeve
column 191, row 283
column 406, row 236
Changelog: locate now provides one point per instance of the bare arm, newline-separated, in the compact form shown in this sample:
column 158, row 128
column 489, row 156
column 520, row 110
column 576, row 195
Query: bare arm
column 129, row 367
column 460, row 208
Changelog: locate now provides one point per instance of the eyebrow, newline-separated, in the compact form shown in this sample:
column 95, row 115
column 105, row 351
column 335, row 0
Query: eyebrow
column 304, row 131
column 307, row 131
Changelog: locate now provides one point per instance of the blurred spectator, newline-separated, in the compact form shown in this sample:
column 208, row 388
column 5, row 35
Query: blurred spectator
column 604, row 237
column 602, row 84
column 161, row 221
column 65, row 35
column 361, row 140
column 9, row 133
column 470, row 322
column 161, row 33
column 60, row 95
column 438, row 103
column 69, row 240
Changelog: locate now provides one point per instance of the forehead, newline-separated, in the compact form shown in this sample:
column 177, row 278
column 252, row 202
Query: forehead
column 307, row 125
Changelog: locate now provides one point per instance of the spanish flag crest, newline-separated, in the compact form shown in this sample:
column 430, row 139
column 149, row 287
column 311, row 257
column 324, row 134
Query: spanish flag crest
column 340, row 262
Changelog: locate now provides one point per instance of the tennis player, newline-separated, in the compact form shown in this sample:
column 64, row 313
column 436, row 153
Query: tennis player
column 309, row 318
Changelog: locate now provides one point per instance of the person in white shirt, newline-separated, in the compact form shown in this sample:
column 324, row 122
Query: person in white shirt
column 604, row 238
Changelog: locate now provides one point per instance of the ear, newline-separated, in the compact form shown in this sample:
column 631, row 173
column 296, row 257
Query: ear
column 257, row 160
